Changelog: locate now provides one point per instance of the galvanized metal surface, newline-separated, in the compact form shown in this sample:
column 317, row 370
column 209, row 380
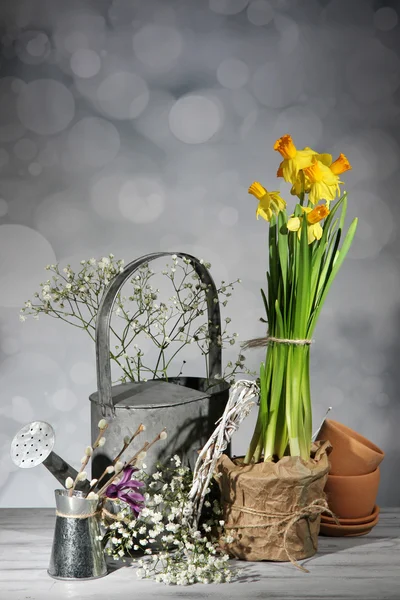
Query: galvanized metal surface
column 187, row 406
column 104, row 318
column 33, row 444
column 76, row 552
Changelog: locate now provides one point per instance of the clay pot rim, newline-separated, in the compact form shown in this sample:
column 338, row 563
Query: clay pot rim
column 354, row 435
column 357, row 477
column 327, row 520
column 349, row 529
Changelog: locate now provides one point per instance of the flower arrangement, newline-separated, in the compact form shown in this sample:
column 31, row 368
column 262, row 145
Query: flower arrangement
column 177, row 551
column 117, row 479
column 306, row 251
column 74, row 297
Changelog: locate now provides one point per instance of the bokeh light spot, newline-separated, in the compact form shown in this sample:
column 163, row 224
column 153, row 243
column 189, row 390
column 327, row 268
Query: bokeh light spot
column 3, row 207
column 386, row 18
column 157, row 46
column 45, row 106
column 32, row 47
column 21, row 409
column 260, row 12
column 82, row 373
column 195, row 119
column 141, row 200
column 233, row 73
column 123, row 95
column 63, row 400
column 35, row 169
column 10, row 127
column 85, row 63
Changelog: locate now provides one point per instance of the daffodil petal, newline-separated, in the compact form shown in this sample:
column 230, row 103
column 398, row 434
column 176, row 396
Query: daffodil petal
column 317, row 229
column 294, row 224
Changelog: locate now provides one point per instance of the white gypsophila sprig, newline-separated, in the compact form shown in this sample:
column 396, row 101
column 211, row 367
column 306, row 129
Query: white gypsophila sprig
column 175, row 552
column 74, row 294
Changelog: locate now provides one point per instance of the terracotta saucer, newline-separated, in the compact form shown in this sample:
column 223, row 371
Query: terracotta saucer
column 360, row 521
column 347, row 530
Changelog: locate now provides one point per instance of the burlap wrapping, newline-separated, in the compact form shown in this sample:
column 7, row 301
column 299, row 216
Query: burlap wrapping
column 272, row 510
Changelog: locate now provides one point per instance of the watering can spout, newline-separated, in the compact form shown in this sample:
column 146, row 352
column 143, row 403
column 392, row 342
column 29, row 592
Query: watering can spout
column 33, row 445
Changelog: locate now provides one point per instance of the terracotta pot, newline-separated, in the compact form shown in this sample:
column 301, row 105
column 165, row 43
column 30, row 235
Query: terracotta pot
column 352, row 454
column 352, row 496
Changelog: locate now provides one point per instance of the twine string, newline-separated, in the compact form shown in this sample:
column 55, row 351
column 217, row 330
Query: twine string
column 78, row 516
column 316, row 507
column 268, row 339
column 103, row 512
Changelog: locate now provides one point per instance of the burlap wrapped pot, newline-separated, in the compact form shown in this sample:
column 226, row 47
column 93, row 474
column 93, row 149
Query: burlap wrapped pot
column 272, row 510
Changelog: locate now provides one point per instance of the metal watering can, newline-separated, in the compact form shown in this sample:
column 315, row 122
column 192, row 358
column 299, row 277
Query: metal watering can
column 187, row 406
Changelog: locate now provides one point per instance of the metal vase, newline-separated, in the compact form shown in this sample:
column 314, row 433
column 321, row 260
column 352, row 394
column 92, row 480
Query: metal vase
column 77, row 553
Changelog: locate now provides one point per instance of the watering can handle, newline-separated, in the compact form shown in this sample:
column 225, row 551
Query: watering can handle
column 104, row 318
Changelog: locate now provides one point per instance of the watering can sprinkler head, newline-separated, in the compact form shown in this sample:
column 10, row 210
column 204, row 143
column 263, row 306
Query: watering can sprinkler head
column 33, row 445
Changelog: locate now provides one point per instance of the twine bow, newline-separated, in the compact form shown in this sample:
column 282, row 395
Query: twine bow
column 316, row 507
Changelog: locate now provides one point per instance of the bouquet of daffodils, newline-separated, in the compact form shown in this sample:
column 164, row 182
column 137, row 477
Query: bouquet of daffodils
column 306, row 251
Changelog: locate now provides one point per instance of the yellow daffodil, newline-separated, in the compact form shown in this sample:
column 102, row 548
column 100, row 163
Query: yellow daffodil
column 269, row 203
column 314, row 216
column 322, row 182
column 295, row 160
column 340, row 165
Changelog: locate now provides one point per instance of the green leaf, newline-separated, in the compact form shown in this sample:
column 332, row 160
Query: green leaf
column 303, row 285
column 283, row 256
column 265, row 303
column 338, row 261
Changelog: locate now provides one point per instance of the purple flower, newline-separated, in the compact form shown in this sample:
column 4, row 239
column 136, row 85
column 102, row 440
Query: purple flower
column 126, row 490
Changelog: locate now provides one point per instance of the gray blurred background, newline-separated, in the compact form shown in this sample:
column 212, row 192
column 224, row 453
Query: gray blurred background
column 132, row 126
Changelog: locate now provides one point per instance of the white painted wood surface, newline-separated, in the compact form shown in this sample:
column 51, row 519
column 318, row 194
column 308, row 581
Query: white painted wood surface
column 365, row 567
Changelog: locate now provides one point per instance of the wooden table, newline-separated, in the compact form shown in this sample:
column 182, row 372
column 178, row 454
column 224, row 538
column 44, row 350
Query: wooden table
column 365, row 567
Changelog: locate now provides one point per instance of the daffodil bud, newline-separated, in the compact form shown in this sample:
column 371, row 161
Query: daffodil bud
column 69, row 483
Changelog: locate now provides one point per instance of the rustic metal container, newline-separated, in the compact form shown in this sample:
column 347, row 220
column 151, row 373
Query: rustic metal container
column 77, row 553
column 187, row 406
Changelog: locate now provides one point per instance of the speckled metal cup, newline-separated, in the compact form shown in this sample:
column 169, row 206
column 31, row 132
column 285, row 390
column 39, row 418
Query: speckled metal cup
column 77, row 553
